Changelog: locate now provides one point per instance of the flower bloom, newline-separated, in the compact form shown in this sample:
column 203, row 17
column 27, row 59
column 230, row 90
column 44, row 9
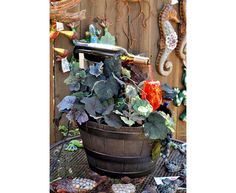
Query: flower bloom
column 153, row 93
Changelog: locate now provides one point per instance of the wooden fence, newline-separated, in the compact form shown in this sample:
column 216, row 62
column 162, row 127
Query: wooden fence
column 123, row 17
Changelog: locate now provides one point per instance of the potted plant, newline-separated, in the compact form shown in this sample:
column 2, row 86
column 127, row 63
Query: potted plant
column 122, row 122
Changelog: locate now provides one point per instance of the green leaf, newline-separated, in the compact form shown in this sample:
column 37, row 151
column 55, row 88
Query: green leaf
column 81, row 117
column 81, row 74
column 113, row 120
column 125, row 72
column 125, row 113
column 108, row 109
column 90, row 80
column 96, row 69
column 66, row 103
column 155, row 128
column 112, row 65
column 169, row 121
column 106, row 89
column 92, row 105
column 143, row 107
column 62, row 128
column 136, row 117
column 156, row 150
column 75, row 66
column 127, row 121
column 118, row 112
column 71, row 79
column 130, row 91
column 80, row 95
column 120, row 104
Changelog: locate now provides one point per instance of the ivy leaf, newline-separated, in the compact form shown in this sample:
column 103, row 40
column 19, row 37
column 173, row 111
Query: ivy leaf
column 169, row 121
column 168, row 92
column 156, row 150
column 125, row 113
column 120, row 104
column 66, row 103
column 71, row 79
column 74, row 87
column 136, row 117
column 106, row 89
column 71, row 115
column 127, row 121
column 92, row 105
column 96, row 69
column 90, row 80
column 81, row 117
column 109, row 109
column 80, row 95
column 75, row 66
column 130, row 91
column 112, row 65
column 155, row 128
column 113, row 120
column 143, row 107
column 81, row 74
column 63, row 129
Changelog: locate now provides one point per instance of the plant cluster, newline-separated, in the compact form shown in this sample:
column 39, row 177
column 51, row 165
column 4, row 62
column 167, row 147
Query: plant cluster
column 109, row 93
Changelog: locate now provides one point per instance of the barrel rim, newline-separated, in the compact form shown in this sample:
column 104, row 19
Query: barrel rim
column 124, row 133
column 107, row 127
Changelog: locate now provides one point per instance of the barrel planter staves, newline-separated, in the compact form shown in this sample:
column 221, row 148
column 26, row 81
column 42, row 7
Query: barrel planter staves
column 117, row 152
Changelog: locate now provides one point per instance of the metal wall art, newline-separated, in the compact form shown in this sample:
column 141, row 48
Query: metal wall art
column 168, row 38
column 106, row 38
column 181, row 46
column 62, row 11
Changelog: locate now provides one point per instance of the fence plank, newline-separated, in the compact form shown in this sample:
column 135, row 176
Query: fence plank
column 52, row 109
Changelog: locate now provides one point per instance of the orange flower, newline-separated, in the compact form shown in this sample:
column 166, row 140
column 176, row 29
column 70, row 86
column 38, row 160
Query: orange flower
column 153, row 93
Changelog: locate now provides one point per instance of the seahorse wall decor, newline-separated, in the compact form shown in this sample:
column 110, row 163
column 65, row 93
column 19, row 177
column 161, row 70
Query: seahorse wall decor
column 168, row 38
column 181, row 46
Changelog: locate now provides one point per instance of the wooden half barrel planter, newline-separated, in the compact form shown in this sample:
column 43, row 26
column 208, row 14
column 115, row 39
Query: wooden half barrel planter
column 117, row 152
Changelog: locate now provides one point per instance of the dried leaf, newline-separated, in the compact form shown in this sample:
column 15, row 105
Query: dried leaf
column 156, row 150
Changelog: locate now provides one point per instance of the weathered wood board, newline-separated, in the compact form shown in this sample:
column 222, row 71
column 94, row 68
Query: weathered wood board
column 145, row 40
